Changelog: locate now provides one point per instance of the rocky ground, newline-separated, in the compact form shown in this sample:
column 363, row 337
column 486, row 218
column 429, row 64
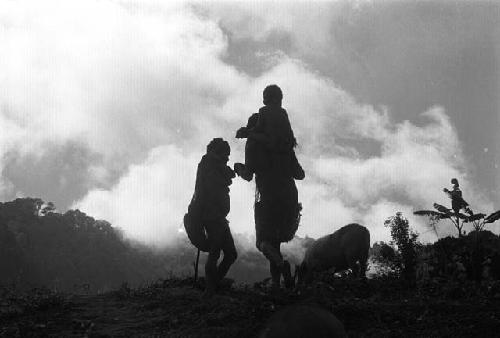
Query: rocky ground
column 378, row 307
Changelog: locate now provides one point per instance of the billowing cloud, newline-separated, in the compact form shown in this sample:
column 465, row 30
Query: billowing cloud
column 409, row 171
column 149, row 201
column 118, row 79
column 258, row 20
column 144, row 87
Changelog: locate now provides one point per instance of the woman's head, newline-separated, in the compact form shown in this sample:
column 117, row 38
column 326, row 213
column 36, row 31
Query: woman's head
column 219, row 147
column 272, row 94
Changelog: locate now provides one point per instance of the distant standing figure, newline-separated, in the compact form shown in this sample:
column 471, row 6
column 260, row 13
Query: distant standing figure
column 457, row 202
column 269, row 154
column 211, row 202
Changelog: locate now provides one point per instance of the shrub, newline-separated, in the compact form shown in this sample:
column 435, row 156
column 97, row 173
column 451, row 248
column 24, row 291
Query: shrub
column 406, row 241
column 385, row 258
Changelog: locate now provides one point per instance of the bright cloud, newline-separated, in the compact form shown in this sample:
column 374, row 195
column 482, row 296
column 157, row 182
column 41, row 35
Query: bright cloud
column 145, row 87
column 120, row 80
column 258, row 20
column 150, row 200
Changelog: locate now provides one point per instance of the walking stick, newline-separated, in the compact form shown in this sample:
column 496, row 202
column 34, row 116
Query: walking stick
column 196, row 266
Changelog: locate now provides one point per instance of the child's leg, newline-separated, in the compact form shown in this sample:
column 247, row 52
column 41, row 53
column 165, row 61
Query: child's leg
column 250, row 155
column 297, row 171
column 247, row 170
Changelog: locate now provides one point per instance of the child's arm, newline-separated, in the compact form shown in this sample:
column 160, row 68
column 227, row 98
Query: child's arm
column 289, row 127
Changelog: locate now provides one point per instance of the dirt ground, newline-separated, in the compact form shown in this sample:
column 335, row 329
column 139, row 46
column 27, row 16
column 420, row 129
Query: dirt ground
column 177, row 308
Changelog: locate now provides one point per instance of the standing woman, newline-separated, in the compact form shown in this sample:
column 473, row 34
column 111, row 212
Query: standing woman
column 269, row 154
column 206, row 223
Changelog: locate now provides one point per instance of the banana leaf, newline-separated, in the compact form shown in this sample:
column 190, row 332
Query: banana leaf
column 431, row 213
column 475, row 217
column 460, row 215
column 492, row 217
column 442, row 209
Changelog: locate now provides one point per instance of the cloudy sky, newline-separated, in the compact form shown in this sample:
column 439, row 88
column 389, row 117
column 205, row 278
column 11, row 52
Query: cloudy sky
column 107, row 106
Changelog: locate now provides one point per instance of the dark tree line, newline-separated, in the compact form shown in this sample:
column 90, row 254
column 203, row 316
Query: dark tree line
column 39, row 246
column 74, row 252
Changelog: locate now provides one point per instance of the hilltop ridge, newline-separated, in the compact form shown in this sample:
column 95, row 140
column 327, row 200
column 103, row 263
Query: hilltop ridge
column 177, row 308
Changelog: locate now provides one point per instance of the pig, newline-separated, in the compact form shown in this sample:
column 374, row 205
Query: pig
column 344, row 249
column 303, row 321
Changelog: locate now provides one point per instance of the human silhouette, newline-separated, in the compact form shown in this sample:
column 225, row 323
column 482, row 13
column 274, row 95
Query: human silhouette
column 211, row 202
column 269, row 154
column 457, row 202
column 269, row 130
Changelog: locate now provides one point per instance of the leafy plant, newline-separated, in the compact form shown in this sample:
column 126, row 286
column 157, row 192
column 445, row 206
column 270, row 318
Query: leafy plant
column 406, row 241
column 457, row 218
column 478, row 221
column 41, row 246
column 385, row 258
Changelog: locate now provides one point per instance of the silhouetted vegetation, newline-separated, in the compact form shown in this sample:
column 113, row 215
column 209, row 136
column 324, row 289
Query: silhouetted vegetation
column 475, row 256
column 406, row 240
column 378, row 307
column 458, row 219
column 384, row 257
column 72, row 251
column 77, row 253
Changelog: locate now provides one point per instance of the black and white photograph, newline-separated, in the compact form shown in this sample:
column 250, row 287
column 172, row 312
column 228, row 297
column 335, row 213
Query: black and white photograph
column 251, row 168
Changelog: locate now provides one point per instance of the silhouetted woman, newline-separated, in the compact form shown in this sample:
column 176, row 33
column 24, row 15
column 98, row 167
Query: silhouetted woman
column 269, row 154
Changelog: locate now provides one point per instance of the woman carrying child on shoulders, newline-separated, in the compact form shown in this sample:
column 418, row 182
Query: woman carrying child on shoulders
column 270, row 155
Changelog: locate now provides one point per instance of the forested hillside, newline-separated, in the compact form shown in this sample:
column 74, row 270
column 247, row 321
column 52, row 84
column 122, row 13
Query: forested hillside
column 39, row 246
column 74, row 252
